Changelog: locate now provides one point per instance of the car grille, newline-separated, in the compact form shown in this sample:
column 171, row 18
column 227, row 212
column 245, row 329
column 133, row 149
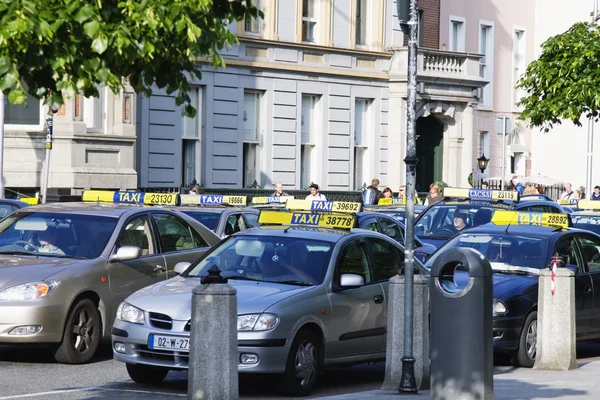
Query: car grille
column 165, row 356
column 161, row 321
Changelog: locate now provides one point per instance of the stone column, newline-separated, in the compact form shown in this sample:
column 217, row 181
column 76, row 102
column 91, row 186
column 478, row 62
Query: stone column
column 395, row 332
column 556, row 322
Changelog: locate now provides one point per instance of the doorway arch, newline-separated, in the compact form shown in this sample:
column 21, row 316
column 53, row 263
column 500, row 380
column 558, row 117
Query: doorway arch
column 430, row 152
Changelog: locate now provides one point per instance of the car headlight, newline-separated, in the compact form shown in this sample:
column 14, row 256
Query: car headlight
column 499, row 307
column 29, row 291
column 128, row 313
column 257, row 322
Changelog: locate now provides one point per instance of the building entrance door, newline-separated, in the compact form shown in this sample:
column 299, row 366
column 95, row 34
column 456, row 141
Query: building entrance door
column 430, row 146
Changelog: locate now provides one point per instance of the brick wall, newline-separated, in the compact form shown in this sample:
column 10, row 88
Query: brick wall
column 431, row 24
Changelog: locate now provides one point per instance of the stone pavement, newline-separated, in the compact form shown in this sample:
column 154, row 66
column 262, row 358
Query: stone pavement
column 517, row 384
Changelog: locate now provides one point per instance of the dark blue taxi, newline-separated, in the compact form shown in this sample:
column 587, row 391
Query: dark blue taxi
column 519, row 245
column 462, row 208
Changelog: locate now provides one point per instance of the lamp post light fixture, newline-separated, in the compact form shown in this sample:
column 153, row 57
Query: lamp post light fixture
column 482, row 163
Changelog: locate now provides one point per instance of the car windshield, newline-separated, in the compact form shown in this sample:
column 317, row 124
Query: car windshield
column 6, row 209
column 208, row 219
column 502, row 250
column 587, row 222
column 269, row 259
column 55, row 234
column 439, row 222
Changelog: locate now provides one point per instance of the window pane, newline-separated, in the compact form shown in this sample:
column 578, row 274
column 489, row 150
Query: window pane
column 250, row 163
column 175, row 234
column 21, row 114
column 251, row 116
column 307, row 118
column 392, row 230
column 190, row 125
column 137, row 233
column 305, row 166
column 359, row 180
column 361, row 22
column 591, row 252
column 251, row 220
column 359, row 116
column 356, row 262
column 235, row 223
column 455, row 33
column 189, row 161
column 208, row 219
column 385, row 259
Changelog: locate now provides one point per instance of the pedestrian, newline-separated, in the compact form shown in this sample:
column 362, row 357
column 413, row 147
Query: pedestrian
column 195, row 189
column 518, row 186
column 314, row 193
column 402, row 195
column 279, row 190
column 530, row 189
column 434, row 195
column 578, row 194
column 484, row 185
column 582, row 191
column 371, row 194
column 596, row 193
column 387, row 193
column 568, row 194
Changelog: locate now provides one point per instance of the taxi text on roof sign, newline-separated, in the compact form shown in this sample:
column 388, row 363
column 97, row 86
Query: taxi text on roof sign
column 481, row 194
column 323, row 206
column 271, row 199
column 550, row 220
column 588, row 204
column 130, row 197
column 306, row 218
column 212, row 199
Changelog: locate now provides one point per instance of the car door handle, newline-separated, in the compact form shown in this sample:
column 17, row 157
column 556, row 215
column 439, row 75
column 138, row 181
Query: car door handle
column 159, row 268
column 378, row 299
column 588, row 289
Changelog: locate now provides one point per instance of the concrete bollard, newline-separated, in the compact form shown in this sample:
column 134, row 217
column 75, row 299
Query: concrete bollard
column 395, row 332
column 213, row 365
column 556, row 350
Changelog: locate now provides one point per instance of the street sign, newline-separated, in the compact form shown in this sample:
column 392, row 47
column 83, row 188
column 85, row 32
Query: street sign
column 49, row 131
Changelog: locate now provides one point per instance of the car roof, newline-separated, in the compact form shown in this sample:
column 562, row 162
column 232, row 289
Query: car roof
column 216, row 210
column 104, row 209
column 15, row 202
column 300, row 232
column 524, row 230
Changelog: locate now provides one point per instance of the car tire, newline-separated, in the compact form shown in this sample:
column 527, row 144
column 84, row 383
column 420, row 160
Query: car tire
column 81, row 335
column 527, row 351
column 140, row 373
column 303, row 365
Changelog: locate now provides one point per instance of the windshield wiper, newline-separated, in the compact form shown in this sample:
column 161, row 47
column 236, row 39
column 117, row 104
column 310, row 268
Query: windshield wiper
column 19, row 253
column 297, row 283
column 64, row 256
column 240, row 278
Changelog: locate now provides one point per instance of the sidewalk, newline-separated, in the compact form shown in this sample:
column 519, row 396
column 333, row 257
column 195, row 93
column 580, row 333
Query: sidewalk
column 517, row 384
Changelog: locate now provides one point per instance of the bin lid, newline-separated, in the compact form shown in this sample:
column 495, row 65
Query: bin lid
column 475, row 262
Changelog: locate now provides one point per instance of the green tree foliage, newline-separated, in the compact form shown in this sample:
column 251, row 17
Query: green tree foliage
column 61, row 47
column 564, row 82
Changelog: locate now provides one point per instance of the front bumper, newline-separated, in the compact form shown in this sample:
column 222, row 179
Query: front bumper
column 48, row 313
column 507, row 332
column 272, row 351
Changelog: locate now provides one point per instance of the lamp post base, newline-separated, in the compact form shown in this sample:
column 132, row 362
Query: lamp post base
column 408, row 383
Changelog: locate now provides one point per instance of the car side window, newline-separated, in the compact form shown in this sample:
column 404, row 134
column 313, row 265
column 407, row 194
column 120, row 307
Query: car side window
column 391, row 229
column 386, row 260
column 537, row 208
column 235, row 223
column 372, row 226
column 175, row 234
column 137, row 233
column 590, row 247
column 566, row 250
column 355, row 261
column 251, row 220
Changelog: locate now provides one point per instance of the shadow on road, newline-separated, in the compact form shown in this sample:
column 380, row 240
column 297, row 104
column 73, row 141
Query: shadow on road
column 42, row 354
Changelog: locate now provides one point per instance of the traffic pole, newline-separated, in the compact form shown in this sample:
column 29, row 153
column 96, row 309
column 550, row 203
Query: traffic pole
column 2, row 105
column 49, row 134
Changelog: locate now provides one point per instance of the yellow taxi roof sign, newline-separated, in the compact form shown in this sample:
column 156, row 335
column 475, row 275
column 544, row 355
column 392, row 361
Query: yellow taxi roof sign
column 348, row 207
column 296, row 218
column 212, row 200
column 549, row 220
column 271, row 199
column 480, row 194
column 588, row 204
column 29, row 200
column 130, row 197
column 388, row 201
column 569, row 202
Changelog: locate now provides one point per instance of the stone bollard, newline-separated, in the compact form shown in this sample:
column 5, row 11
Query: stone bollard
column 213, row 365
column 395, row 332
column 556, row 350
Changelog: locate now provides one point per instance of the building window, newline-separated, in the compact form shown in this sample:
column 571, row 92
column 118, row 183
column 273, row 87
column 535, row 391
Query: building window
column 252, row 26
column 486, row 48
column 252, row 130
column 457, row 34
column 484, row 144
column 361, row 22
column 309, row 134
column 191, row 136
column 309, row 20
column 94, row 111
column 420, row 26
column 518, row 62
column 361, row 131
column 27, row 113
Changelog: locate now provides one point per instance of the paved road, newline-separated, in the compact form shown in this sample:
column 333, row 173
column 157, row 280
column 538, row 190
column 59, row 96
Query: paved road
column 32, row 374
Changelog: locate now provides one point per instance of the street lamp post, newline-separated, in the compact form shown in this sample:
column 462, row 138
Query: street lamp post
column 482, row 163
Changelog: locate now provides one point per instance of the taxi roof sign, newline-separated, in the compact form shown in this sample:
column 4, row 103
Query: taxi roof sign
column 29, row 200
column 388, row 201
column 212, row 200
column 271, row 199
column 480, row 194
column 295, row 218
column 348, row 207
column 129, row 197
column 570, row 202
column 588, row 204
column 548, row 220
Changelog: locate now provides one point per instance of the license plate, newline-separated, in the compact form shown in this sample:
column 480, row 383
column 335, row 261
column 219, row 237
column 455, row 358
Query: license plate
column 160, row 342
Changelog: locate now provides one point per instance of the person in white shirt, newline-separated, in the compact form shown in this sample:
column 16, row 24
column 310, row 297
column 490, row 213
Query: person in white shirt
column 314, row 193
column 568, row 194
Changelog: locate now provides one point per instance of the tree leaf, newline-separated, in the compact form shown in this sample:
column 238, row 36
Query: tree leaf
column 91, row 28
column 84, row 13
column 8, row 81
column 17, row 96
column 4, row 64
column 99, row 45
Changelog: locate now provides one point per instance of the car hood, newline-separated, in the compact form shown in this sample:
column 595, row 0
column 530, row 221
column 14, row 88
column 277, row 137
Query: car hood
column 506, row 285
column 174, row 296
column 15, row 270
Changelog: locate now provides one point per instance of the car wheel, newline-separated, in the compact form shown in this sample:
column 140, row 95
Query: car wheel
column 527, row 351
column 140, row 373
column 303, row 365
column 81, row 335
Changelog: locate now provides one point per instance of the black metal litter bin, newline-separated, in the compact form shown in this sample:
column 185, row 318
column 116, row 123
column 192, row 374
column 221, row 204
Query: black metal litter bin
column 461, row 347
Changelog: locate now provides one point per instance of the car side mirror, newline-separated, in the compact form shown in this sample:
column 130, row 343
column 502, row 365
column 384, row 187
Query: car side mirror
column 180, row 267
column 349, row 281
column 126, row 253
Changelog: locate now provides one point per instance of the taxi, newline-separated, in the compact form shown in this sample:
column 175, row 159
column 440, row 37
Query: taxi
column 311, row 292
column 65, row 267
column 587, row 215
column 462, row 208
column 519, row 245
column 224, row 215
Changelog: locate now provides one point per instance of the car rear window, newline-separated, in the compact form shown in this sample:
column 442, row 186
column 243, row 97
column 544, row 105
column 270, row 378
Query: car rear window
column 208, row 219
